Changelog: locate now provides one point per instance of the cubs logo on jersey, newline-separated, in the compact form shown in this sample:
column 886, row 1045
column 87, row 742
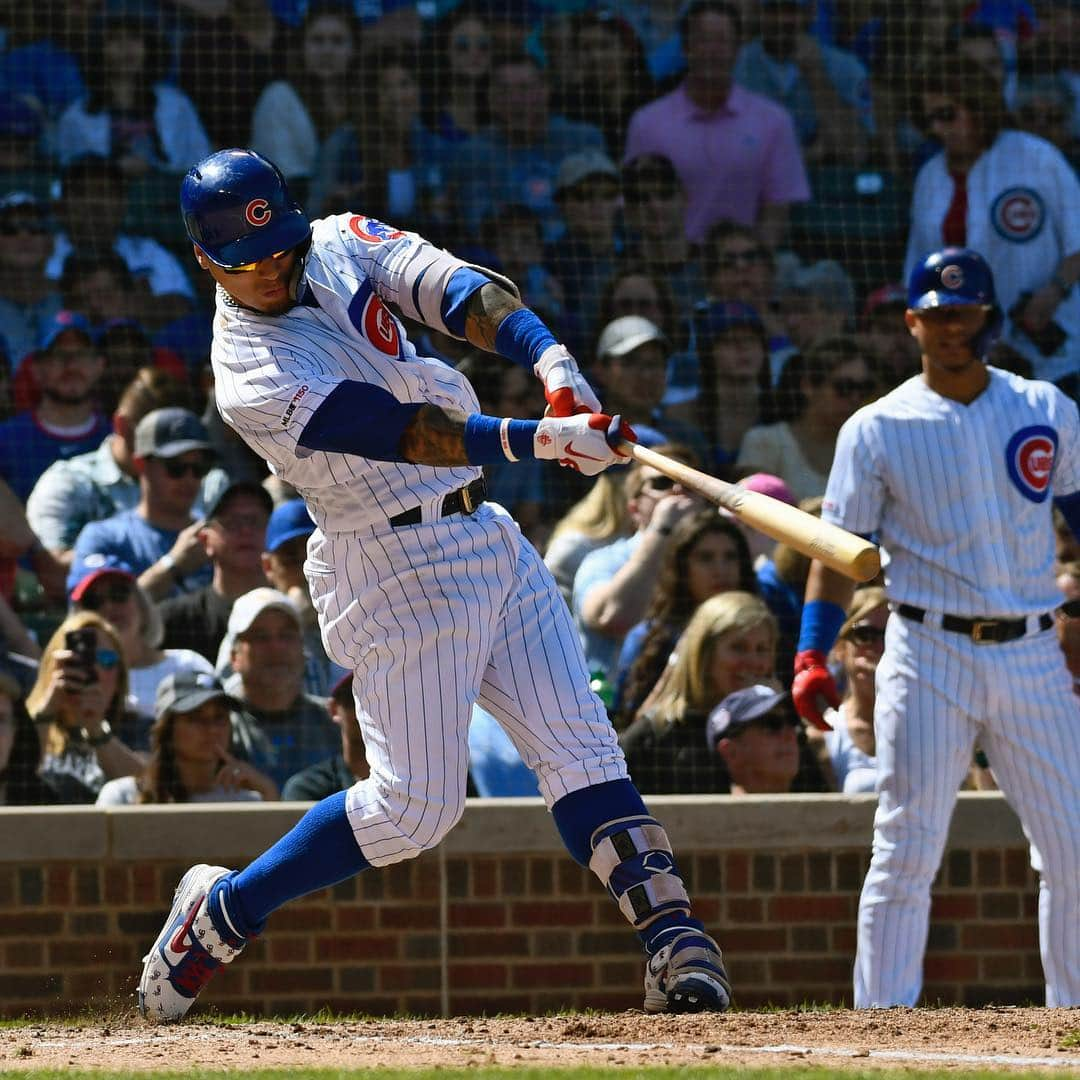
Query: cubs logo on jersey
column 1029, row 457
column 1018, row 214
column 373, row 319
column 372, row 231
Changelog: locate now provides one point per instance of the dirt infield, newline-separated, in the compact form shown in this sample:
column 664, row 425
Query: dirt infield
column 991, row 1038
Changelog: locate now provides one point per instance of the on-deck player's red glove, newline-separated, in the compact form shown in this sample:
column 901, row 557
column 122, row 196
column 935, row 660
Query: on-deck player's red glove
column 567, row 391
column 813, row 688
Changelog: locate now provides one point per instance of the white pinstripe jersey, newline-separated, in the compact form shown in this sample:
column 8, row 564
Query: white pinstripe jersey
column 1023, row 217
column 960, row 495
column 272, row 372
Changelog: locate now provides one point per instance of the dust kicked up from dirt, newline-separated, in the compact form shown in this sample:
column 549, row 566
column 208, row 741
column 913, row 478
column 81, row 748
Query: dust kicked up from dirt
column 892, row 1038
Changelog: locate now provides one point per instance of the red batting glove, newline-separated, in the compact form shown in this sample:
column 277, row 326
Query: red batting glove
column 814, row 689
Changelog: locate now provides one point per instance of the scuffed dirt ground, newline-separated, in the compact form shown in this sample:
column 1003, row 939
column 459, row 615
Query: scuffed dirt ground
column 886, row 1039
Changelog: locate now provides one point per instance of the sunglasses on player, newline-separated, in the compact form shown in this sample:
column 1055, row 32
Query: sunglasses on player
column 248, row 267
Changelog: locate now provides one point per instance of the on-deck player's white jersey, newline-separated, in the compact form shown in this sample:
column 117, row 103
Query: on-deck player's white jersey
column 1023, row 217
column 271, row 373
column 959, row 495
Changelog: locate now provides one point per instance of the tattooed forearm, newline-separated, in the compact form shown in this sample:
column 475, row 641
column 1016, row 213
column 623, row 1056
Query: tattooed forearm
column 484, row 310
column 436, row 436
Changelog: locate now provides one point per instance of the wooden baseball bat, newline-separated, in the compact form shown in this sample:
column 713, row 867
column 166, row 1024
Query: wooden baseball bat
column 837, row 548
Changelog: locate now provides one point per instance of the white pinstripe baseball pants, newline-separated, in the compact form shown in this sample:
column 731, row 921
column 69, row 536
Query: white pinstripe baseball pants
column 936, row 693
column 432, row 617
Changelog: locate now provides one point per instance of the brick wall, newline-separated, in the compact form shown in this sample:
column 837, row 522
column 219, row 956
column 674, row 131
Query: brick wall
column 499, row 919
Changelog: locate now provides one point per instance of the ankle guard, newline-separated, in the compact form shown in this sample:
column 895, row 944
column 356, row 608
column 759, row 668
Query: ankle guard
column 632, row 857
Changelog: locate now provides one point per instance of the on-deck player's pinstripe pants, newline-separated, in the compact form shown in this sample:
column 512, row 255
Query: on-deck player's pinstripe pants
column 936, row 692
column 431, row 617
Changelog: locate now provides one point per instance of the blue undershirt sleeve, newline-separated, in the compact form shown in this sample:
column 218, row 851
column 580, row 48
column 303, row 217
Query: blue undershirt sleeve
column 462, row 284
column 357, row 418
column 1069, row 505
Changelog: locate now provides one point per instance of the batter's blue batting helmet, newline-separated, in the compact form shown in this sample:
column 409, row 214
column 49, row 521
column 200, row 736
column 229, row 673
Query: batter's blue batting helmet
column 237, row 209
column 955, row 277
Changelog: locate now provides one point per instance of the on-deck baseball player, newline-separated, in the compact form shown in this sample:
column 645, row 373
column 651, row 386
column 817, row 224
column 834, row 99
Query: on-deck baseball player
column 427, row 592
column 955, row 470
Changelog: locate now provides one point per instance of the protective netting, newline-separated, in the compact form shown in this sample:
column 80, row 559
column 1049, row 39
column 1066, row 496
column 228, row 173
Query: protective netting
column 713, row 205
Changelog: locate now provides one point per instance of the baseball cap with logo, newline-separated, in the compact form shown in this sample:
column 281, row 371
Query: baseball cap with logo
column 739, row 709
column 580, row 166
column 627, row 333
column 288, row 521
column 91, row 568
column 169, row 432
column 185, row 691
column 61, row 323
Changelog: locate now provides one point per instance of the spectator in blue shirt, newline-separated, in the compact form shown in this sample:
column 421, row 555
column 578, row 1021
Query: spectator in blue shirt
column 159, row 539
column 67, row 369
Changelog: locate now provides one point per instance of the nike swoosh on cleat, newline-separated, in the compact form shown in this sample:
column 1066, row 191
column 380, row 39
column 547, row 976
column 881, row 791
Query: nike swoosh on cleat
column 177, row 944
column 574, row 453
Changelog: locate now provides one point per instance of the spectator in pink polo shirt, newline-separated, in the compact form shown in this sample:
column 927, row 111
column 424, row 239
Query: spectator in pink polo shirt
column 736, row 152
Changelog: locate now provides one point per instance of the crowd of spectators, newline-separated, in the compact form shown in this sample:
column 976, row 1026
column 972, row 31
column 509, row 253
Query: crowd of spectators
column 711, row 202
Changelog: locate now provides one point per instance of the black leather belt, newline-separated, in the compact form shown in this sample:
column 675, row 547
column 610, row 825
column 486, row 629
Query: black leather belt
column 463, row 501
column 981, row 631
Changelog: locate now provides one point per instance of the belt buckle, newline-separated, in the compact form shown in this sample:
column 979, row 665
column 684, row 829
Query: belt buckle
column 467, row 503
column 980, row 631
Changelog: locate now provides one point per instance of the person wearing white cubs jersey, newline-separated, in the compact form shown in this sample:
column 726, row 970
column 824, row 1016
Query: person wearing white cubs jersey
column 429, row 594
column 1011, row 196
column 955, row 472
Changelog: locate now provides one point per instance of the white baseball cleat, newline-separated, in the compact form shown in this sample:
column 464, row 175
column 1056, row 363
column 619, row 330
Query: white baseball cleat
column 187, row 953
column 687, row 975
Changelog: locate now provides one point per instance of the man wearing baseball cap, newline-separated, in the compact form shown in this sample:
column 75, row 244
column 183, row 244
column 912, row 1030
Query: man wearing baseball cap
column 67, row 368
column 755, row 731
column 159, row 539
column 281, row 729
column 232, row 537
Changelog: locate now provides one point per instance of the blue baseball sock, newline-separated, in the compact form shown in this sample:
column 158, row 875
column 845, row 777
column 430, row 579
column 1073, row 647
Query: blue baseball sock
column 319, row 851
column 579, row 814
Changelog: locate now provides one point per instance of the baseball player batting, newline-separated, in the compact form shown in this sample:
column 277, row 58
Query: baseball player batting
column 956, row 471
column 429, row 594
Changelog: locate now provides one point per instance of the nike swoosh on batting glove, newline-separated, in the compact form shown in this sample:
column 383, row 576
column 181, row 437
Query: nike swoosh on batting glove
column 581, row 442
column 567, row 391
column 813, row 689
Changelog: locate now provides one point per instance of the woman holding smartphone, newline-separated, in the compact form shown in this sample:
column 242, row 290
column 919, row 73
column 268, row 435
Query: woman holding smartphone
column 189, row 755
column 78, row 705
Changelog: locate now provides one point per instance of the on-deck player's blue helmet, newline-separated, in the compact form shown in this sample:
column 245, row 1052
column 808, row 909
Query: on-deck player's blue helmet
column 237, row 209
column 955, row 277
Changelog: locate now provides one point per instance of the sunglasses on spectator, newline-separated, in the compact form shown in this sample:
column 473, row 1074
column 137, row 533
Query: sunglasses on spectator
column 866, row 635
column 106, row 659
column 853, row 387
column 118, row 593
column 731, row 259
column 944, row 115
column 248, row 267
column 14, row 226
column 592, row 192
column 176, row 469
column 774, row 723
column 648, row 192
column 658, row 483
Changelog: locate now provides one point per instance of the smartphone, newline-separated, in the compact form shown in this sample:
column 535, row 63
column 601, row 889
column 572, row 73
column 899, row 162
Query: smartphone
column 83, row 643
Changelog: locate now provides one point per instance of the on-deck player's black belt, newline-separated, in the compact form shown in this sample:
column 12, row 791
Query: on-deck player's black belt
column 981, row 631
column 463, row 501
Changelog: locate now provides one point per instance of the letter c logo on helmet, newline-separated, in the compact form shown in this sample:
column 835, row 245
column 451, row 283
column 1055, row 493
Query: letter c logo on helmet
column 258, row 212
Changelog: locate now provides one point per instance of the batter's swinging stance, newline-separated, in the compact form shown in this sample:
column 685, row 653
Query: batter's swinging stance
column 955, row 470
column 427, row 592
